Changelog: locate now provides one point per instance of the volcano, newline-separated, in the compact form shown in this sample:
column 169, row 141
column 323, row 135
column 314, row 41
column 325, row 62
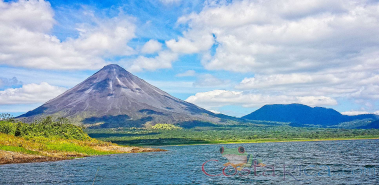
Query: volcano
column 113, row 97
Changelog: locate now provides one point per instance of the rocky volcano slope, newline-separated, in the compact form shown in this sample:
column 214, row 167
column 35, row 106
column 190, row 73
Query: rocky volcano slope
column 113, row 97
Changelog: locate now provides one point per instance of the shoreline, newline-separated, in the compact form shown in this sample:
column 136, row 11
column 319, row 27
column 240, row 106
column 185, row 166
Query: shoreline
column 10, row 157
column 15, row 149
column 269, row 141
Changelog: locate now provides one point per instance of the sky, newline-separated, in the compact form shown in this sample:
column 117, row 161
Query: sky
column 226, row 56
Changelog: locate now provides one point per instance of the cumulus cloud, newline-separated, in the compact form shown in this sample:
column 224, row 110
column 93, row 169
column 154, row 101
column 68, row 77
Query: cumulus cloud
column 164, row 59
column 282, row 36
column 30, row 93
column 194, row 43
column 151, row 46
column 357, row 85
column 311, row 48
column 27, row 14
column 267, row 81
column 24, row 44
column 187, row 73
column 218, row 98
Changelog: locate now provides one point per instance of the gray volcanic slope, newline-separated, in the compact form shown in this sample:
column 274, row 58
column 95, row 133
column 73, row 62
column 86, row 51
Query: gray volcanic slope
column 113, row 97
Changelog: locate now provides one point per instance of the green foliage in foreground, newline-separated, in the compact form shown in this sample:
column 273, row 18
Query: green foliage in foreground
column 46, row 127
column 58, row 139
column 227, row 134
column 52, row 147
column 77, row 148
column 161, row 126
column 17, row 149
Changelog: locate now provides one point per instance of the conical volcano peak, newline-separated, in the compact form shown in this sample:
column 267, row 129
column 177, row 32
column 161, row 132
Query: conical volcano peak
column 112, row 72
column 114, row 69
column 113, row 97
column 112, row 66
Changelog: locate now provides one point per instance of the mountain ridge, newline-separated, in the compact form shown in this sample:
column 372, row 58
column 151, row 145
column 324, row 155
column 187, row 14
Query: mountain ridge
column 302, row 115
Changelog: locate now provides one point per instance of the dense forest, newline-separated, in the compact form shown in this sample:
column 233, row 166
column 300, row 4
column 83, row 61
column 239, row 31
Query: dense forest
column 226, row 134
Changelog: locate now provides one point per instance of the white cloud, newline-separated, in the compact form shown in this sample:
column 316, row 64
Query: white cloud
column 163, row 60
column 108, row 38
column 187, row 73
column 151, row 46
column 266, row 81
column 353, row 112
column 315, row 100
column 208, row 80
column 216, row 112
column 357, row 85
column 193, row 44
column 270, row 37
column 178, row 87
column 25, row 39
column 311, row 48
column 27, row 14
column 218, row 98
column 282, row 36
column 30, row 93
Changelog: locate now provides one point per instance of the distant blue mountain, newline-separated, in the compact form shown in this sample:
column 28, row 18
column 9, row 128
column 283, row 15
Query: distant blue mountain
column 303, row 115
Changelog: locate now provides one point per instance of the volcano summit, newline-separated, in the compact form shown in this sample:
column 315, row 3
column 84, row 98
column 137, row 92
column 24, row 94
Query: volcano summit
column 113, row 97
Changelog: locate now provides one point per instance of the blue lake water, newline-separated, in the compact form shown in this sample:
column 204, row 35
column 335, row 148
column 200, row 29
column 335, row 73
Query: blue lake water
column 326, row 162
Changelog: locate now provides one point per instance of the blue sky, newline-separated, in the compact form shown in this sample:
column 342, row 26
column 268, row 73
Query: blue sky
column 226, row 56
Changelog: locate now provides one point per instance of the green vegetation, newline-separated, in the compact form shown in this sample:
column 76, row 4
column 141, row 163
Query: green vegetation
column 17, row 149
column 44, row 128
column 52, row 139
column 161, row 126
column 52, row 147
column 58, row 138
column 243, row 133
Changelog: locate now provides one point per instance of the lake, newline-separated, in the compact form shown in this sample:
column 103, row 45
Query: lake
column 324, row 162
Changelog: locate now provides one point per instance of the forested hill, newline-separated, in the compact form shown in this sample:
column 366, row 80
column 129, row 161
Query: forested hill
column 299, row 114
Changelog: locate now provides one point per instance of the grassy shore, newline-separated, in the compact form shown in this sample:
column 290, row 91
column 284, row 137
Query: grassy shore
column 20, row 150
column 49, row 140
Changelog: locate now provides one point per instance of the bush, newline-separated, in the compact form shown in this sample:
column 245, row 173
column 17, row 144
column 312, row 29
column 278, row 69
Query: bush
column 8, row 127
column 161, row 126
column 46, row 127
